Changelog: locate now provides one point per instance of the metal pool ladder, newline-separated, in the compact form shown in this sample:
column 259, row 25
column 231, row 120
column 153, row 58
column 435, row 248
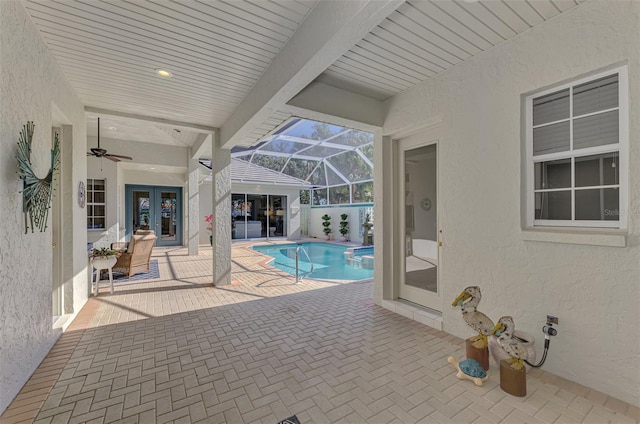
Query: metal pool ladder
column 297, row 269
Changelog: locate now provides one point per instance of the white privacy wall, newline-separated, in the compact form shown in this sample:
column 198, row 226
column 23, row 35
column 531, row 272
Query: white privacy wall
column 594, row 290
column 30, row 83
column 316, row 228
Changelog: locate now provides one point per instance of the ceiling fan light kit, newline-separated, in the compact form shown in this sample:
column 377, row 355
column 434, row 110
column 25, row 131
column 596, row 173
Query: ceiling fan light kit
column 102, row 153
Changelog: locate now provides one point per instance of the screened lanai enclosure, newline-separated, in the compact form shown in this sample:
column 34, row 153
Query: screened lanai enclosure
column 335, row 163
column 303, row 164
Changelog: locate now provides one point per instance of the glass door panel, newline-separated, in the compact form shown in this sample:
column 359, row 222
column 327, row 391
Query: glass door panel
column 141, row 217
column 168, row 226
column 418, row 167
column 240, row 209
column 278, row 217
column 257, row 221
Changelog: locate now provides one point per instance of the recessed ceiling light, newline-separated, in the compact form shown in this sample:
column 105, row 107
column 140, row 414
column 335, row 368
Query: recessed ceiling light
column 112, row 128
column 152, row 168
column 164, row 73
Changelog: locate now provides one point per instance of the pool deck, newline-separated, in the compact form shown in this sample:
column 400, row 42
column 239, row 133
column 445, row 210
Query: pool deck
column 176, row 349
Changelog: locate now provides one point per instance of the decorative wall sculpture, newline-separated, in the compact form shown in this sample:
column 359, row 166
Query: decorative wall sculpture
column 37, row 192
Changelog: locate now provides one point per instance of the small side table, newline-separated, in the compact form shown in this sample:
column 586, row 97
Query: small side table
column 100, row 264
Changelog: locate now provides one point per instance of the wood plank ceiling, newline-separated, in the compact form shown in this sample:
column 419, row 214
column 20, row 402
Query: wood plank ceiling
column 216, row 50
column 423, row 38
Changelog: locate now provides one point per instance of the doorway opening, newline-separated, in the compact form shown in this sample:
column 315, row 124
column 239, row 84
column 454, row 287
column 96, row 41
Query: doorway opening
column 418, row 227
column 157, row 209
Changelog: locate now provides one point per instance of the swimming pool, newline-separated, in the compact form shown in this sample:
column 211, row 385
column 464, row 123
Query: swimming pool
column 327, row 258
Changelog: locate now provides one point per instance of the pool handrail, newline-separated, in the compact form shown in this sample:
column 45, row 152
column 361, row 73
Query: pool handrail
column 297, row 269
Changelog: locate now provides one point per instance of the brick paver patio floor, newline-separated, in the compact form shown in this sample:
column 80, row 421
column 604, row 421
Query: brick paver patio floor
column 176, row 349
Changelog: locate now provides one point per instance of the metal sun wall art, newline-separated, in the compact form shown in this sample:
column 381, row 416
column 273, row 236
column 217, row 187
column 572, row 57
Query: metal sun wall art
column 37, row 192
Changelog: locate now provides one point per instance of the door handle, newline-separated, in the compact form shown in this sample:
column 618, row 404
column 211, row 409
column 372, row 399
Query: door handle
column 53, row 245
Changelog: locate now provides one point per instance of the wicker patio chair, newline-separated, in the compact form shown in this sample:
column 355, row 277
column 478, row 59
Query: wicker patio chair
column 137, row 256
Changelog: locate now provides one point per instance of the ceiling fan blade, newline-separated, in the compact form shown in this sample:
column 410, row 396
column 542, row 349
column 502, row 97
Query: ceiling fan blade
column 119, row 156
column 110, row 157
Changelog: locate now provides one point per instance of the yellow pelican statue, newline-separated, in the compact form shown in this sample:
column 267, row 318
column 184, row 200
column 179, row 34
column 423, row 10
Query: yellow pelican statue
column 518, row 352
column 469, row 299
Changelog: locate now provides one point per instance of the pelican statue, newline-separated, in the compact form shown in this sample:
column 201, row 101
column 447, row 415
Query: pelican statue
column 518, row 352
column 469, row 299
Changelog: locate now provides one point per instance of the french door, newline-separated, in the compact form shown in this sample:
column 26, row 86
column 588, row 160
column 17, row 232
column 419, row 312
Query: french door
column 418, row 224
column 155, row 208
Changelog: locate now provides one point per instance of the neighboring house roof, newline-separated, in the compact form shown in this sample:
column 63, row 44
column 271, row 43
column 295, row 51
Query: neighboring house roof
column 245, row 172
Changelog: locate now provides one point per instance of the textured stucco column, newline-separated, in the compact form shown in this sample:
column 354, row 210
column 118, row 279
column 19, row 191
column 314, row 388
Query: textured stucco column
column 194, row 206
column 221, row 195
column 383, row 203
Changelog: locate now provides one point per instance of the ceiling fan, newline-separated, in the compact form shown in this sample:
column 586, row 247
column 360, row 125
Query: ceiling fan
column 102, row 153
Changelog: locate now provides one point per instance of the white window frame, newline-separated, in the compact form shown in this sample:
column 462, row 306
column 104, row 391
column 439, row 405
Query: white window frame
column 622, row 147
column 94, row 203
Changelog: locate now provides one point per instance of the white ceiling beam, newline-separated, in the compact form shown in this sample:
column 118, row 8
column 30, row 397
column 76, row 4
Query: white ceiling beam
column 329, row 31
column 326, row 99
column 182, row 126
column 202, row 147
column 313, row 115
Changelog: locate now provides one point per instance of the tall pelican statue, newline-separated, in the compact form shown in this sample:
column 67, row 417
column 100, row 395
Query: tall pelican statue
column 469, row 299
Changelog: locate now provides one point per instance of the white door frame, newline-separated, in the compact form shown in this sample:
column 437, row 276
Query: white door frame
column 422, row 297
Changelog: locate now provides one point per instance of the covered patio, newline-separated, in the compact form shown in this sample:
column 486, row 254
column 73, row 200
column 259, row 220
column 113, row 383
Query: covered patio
column 502, row 146
column 262, row 349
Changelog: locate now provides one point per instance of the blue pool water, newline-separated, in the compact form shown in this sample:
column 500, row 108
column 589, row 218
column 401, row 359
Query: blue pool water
column 327, row 258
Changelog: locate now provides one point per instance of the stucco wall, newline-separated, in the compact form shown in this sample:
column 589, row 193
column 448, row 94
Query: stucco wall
column 31, row 84
column 594, row 290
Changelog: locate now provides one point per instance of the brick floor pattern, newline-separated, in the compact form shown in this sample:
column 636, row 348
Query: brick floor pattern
column 177, row 350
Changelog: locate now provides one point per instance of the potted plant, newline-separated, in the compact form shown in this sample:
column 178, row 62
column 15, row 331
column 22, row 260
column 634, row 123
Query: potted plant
column 102, row 253
column 326, row 223
column 344, row 226
column 103, row 257
column 209, row 220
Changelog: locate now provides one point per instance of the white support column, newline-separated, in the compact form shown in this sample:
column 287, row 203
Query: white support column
column 201, row 148
column 193, row 209
column 221, row 196
column 383, row 201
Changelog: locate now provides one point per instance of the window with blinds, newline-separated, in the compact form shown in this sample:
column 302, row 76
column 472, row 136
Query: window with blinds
column 576, row 148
